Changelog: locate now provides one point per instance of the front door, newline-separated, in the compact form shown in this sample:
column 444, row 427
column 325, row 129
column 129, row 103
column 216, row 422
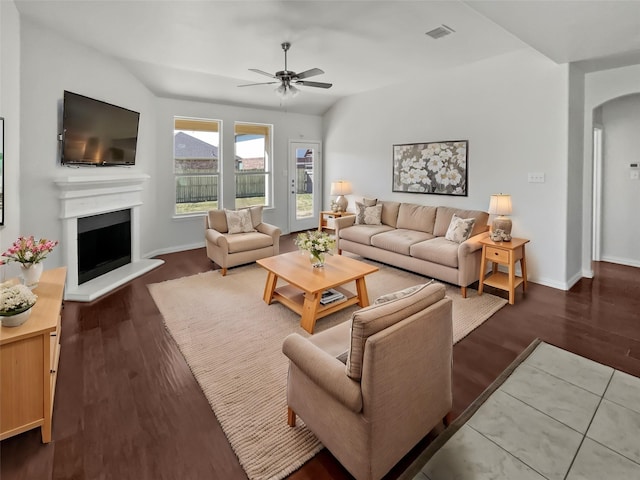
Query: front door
column 305, row 181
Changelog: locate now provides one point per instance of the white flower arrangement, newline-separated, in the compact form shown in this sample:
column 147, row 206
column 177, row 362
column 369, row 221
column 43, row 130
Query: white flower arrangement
column 15, row 299
column 316, row 242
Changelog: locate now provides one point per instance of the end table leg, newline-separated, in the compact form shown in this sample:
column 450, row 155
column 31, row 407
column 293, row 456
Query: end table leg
column 523, row 267
column 483, row 270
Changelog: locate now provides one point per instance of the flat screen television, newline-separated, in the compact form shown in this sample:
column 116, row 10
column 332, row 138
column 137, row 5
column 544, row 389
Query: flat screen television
column 97, row 133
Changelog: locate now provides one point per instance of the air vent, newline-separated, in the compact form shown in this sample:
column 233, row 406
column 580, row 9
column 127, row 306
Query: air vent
column 439, row 32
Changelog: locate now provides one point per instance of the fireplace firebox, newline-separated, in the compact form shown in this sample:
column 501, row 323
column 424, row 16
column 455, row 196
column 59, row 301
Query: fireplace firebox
column 104, row 244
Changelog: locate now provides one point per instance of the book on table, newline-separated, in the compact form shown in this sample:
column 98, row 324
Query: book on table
column 330, row 296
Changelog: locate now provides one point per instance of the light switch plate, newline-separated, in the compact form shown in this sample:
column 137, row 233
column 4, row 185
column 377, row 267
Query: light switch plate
column 634, row 175
column 535, row 177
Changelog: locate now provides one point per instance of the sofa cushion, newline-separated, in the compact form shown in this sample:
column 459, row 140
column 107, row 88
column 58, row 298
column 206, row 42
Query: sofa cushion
column 438, row 250
column 239, row 221
column 370, row 320
column 362, row 233
column 369, row 202
column 459, row 229
column 390, row 213
column 218, row 220
column 417, row 217
column 399, row 240
column 444, row 215
column 243, row 242
column 335, row 341
column 368, row 215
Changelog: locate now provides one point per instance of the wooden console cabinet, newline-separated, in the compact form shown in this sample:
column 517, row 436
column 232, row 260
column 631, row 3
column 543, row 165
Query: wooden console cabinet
column 29, row 357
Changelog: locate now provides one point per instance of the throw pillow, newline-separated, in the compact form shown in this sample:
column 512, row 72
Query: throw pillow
column 256, row 215
column 400, row 293
column 239, row 221
column 368, row 215
column 369, row 202
column 459, row 229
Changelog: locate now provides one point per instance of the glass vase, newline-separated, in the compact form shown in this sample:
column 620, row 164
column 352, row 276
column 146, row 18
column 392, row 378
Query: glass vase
column 317, row 259
column 31, row 273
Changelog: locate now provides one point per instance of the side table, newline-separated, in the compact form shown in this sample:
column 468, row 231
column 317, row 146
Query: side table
column 327, row 217
column 503, row 253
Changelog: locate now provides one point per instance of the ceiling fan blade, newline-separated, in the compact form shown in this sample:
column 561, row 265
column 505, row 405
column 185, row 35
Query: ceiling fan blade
column 261, row 72
column 314, row 84
column 261, row 83
column 309, row 73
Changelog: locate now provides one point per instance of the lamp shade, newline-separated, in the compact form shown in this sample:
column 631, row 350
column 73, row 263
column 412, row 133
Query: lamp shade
column 341, row 187
column 500, row 204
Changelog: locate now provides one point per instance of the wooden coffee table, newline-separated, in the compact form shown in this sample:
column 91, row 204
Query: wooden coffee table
column 306, row 284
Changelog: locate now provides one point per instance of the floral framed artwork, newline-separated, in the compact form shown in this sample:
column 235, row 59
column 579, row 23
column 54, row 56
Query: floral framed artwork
column 434, row 167
column 1, row 171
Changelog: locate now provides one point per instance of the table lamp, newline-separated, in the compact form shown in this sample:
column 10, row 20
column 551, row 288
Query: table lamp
column 500, row 205
column 341, row 188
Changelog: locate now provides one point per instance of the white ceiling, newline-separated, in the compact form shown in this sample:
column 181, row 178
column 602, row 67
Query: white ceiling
column 202, row 50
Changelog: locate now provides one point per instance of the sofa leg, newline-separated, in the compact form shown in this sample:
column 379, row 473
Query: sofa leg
column 291, row 417
column 223, row 271
column 464, row 292
column 448, row 418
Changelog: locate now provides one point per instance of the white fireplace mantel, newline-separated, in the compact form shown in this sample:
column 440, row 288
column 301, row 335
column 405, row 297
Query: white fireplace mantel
column 86, row 195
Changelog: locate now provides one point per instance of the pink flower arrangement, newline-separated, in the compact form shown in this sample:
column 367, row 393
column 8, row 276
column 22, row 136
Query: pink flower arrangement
column 26, row 250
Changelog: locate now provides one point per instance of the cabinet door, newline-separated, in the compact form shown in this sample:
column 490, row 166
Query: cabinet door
column 21, row 385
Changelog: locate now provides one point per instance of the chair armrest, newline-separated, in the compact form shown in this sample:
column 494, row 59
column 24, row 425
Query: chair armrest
column 471, row 245
column 324, row 370
column 270, row 230
column 216, row 238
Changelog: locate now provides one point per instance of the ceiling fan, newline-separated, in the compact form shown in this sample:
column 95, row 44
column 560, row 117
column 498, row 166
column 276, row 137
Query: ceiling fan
column 288, row 79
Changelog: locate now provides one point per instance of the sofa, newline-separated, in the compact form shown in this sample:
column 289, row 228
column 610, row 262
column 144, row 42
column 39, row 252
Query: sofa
column 417, row 238
column 371, row 388
column 234, row 238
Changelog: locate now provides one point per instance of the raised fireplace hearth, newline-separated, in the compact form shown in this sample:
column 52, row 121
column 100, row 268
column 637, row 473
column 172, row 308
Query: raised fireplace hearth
column 100, row 211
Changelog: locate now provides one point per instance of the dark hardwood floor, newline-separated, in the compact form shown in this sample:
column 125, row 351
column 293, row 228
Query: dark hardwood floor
column 128, row 407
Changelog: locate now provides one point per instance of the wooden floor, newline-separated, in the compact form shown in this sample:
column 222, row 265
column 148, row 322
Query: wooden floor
column 128, row 407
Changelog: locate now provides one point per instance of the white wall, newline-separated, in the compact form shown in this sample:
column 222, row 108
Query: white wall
column 10, row 110
column 513, row 110
column 620, row 194
column 575, row 164
column 178, row 233
column 50, row 65
column 600, row 87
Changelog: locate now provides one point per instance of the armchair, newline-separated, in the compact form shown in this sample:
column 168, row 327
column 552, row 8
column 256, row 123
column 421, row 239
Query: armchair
column 232, row 249
column 394, row 388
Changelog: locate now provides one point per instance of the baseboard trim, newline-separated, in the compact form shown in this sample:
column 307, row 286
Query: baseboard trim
column 629, row 262
column 180, row 248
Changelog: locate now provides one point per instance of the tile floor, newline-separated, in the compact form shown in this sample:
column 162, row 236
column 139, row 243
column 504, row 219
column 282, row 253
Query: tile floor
column 558, row 416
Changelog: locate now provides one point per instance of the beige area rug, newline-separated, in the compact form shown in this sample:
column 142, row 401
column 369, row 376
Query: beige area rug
column 232, row 342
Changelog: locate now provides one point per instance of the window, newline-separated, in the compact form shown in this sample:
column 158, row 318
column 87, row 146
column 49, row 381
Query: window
column 196, row 164
column 253, row 164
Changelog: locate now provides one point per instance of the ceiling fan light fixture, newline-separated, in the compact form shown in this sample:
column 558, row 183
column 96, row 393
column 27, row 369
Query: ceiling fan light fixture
column 287, row 90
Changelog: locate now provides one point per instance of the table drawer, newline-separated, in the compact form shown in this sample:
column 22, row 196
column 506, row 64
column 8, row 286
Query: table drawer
column 497, row 255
